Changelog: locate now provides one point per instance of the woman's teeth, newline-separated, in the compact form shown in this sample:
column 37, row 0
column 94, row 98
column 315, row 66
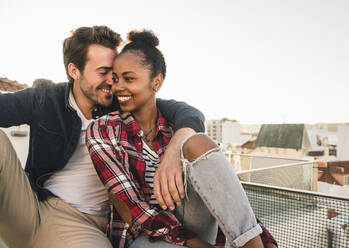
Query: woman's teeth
column 124, row 98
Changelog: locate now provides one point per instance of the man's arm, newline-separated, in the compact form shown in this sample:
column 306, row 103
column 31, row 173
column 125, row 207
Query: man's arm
column 18, row 108
column 181, row 115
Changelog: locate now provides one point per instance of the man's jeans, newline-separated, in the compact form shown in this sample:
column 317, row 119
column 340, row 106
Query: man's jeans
column 26, row 222
column 214, row 196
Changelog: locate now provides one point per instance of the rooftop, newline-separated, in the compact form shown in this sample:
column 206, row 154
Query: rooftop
column 292, row 136
column 7, row 85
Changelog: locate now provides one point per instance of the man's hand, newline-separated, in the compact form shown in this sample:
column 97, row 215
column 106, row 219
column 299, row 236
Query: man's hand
column 168, row 179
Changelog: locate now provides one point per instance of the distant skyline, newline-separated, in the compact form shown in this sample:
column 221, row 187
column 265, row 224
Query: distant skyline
column 254, row 61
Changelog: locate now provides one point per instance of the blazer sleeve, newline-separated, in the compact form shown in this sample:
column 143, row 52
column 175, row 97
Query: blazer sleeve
column 19, row 107
column 180, row 114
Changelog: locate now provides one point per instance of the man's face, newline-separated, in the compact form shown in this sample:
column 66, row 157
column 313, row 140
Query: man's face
column 95, row 81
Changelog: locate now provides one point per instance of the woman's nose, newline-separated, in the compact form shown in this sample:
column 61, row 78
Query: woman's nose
column 118, row 86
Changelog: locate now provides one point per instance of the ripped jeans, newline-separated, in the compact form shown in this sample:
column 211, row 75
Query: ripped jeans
column 214, row 197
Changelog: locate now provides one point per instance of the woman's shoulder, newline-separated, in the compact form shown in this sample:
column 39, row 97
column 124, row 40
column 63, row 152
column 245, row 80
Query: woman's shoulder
column 116, row 117
column 113, row 125
column 163, row 123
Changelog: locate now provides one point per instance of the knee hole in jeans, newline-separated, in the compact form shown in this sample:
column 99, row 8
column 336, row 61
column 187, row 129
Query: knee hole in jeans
column 197, row 145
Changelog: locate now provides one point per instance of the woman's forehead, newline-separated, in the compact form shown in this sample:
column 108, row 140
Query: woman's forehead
column 129, row 60
column 128, row 57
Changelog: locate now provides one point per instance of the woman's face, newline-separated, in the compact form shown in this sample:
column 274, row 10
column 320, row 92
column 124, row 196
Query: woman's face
column 133, row 85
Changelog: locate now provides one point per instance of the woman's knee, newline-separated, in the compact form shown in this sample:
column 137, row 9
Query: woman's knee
column 197, row 145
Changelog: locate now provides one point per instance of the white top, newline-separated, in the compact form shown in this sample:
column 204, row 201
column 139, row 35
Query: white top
column 152, row 161
column 78, row 183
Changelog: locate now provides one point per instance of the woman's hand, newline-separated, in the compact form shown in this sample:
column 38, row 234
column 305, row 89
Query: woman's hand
column 168, row 179
column 197, row 243
column 270, row 245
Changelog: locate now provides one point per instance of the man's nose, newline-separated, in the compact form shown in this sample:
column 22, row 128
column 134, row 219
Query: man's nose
column 110, row 78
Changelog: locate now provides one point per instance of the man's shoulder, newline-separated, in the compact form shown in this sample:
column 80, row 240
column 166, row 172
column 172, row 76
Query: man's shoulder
column 51, row 91
column 42, row 83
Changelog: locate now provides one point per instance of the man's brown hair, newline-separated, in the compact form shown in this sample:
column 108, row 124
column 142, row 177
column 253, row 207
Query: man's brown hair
column 75, row 47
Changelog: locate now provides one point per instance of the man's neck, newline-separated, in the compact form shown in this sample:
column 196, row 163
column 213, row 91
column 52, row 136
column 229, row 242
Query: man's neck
column 84, row 104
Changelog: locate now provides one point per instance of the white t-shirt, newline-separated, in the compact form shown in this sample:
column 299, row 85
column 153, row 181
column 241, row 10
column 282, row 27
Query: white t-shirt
column 78, row 183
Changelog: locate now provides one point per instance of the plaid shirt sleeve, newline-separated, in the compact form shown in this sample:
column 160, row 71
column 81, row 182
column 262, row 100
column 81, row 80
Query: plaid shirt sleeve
column 265, row 236
column 112, row 166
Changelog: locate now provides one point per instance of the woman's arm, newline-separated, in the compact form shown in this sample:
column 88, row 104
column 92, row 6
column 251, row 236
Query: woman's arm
column 111, row 163
column 168, row 179
column 168, row 182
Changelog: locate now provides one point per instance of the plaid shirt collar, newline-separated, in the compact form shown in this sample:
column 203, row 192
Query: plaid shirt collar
column 132, row 128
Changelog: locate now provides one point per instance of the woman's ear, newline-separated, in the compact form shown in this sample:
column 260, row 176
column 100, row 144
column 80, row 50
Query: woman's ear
column 157, row 82
column 73, row 71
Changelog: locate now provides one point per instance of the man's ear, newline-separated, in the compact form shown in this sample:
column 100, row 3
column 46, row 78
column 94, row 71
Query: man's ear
column 157, row 82
column 73, row 71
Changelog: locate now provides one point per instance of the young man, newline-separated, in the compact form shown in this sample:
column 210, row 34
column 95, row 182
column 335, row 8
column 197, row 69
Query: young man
column 59, row 201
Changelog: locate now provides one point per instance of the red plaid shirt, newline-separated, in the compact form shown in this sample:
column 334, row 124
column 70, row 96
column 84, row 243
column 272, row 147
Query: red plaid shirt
column 115, row 147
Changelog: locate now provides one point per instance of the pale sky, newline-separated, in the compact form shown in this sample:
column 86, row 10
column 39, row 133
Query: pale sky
column 256, row 61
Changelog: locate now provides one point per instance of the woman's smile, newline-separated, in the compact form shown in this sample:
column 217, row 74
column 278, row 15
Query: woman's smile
column 124, row 99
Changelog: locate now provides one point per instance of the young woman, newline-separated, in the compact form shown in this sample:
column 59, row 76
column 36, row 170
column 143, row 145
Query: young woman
column 127, row 146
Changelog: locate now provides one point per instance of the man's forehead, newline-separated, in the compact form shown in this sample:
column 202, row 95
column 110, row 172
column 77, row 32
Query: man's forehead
column 100, row 54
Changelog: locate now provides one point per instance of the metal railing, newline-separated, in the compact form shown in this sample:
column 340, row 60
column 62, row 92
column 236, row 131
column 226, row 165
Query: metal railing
column 294, row 175
column 301, row 218
column 283, row 198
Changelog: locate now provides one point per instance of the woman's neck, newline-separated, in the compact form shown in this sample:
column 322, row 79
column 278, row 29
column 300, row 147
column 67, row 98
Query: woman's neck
column 146, row 117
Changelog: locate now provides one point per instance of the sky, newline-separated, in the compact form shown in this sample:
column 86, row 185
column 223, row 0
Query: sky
column 255, row 61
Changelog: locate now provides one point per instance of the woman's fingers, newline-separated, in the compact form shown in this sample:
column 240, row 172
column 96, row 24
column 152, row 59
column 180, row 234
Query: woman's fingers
column 175, row 195
column 157, row 191
column 179, row 184
column 168, row 187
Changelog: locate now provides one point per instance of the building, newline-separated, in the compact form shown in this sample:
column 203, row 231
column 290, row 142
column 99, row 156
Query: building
column 334, row 172
column 343, row 142
column 7, row 85
column 214, row 130
column 292, row 136
column 227, row 132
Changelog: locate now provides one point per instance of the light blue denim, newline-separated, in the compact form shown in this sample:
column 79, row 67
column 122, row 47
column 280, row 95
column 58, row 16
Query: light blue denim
column 214, row 197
